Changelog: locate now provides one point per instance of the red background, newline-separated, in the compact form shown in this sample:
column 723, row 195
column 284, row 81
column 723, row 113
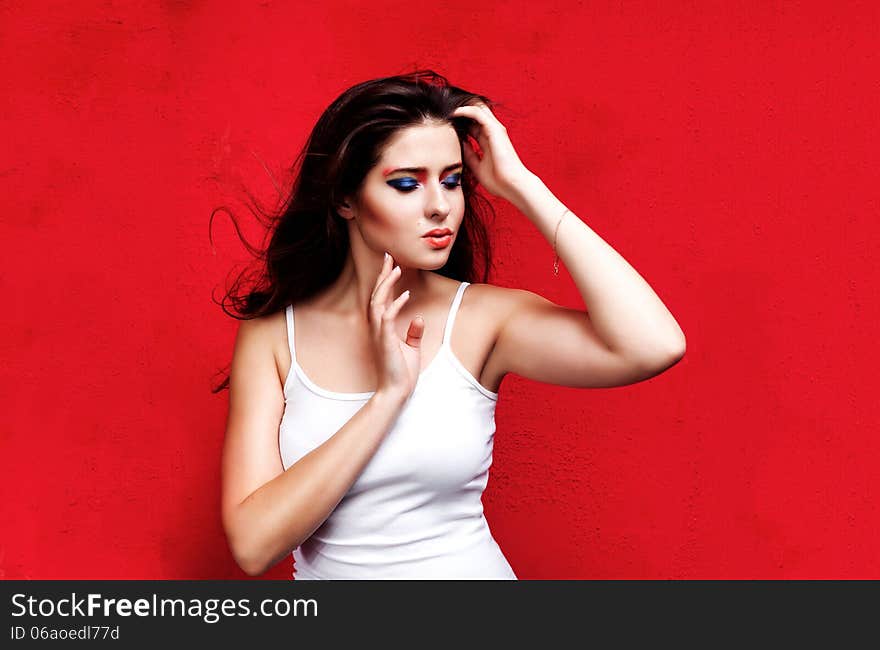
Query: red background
column 724, row 149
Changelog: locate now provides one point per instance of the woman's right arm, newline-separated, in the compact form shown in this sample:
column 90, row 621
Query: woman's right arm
column 267, row 511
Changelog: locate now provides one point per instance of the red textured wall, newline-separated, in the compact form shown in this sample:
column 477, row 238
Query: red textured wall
column 727, row 150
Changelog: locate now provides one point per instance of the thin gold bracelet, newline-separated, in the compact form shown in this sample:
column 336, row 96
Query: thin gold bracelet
column 555, row 233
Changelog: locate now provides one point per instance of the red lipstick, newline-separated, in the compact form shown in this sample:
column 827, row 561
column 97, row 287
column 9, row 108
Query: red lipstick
column 438, row 237
column 438, row 232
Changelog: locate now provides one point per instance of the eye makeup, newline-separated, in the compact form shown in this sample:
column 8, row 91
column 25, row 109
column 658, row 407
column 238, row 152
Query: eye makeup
column 419, row 172
column 420, row 175
column 408, row 183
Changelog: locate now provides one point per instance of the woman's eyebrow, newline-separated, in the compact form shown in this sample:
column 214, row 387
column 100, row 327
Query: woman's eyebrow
column 417, row 169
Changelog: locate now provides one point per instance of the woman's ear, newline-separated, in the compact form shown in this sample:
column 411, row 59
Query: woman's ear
column 345, row 210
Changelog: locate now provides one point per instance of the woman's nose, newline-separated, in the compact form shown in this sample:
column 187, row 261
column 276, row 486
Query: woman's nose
column 438, row 203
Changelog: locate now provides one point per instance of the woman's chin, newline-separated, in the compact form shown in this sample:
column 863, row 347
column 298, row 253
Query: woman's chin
column 436, row 262
column 430, row 261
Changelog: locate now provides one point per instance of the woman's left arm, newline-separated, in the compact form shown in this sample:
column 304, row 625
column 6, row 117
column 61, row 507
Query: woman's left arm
column 629, row 334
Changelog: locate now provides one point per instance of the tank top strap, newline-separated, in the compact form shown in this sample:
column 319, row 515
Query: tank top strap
column 290, row 340
column 453, row 310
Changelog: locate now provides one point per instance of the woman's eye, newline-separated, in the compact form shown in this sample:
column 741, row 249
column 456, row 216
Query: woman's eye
column 409, row 184
column 455, row 181
column 404, row 184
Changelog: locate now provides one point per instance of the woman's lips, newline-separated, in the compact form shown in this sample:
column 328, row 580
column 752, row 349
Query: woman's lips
column 438, row 242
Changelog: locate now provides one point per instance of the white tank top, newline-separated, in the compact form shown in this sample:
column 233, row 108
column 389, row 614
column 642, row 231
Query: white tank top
column 415, row 511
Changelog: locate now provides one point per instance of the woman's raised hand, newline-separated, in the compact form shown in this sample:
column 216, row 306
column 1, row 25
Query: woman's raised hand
column 399, row 361
column 499, row 169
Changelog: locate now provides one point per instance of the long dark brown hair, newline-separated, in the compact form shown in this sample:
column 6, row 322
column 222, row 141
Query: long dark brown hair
column 307, row 240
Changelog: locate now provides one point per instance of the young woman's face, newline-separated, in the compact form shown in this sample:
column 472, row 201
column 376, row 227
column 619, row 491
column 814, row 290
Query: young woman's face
column 414, row 189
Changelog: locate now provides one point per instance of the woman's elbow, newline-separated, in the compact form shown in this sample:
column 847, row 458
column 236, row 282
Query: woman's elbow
column 246, row 558
column 244, row 550
column 252, row 568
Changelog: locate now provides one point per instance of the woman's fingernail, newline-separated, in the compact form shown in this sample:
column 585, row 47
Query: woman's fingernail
column 386, row 256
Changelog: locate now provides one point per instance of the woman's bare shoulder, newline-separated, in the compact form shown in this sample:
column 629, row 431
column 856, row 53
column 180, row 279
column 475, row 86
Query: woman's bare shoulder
column 493, row 296
column 501, row 297
column 492, row 302
column 266, row 327
column 269, row 333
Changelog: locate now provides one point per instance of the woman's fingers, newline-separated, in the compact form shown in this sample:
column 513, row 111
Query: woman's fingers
column 383, row 272
column 415, row 331
column 480, row 113
column 392, row 311
column 381, row 299
column 384, row 294
column 471, row 158
column 386, row 269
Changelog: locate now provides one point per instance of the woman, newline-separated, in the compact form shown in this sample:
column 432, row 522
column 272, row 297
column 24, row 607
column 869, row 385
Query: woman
column 373, row 364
